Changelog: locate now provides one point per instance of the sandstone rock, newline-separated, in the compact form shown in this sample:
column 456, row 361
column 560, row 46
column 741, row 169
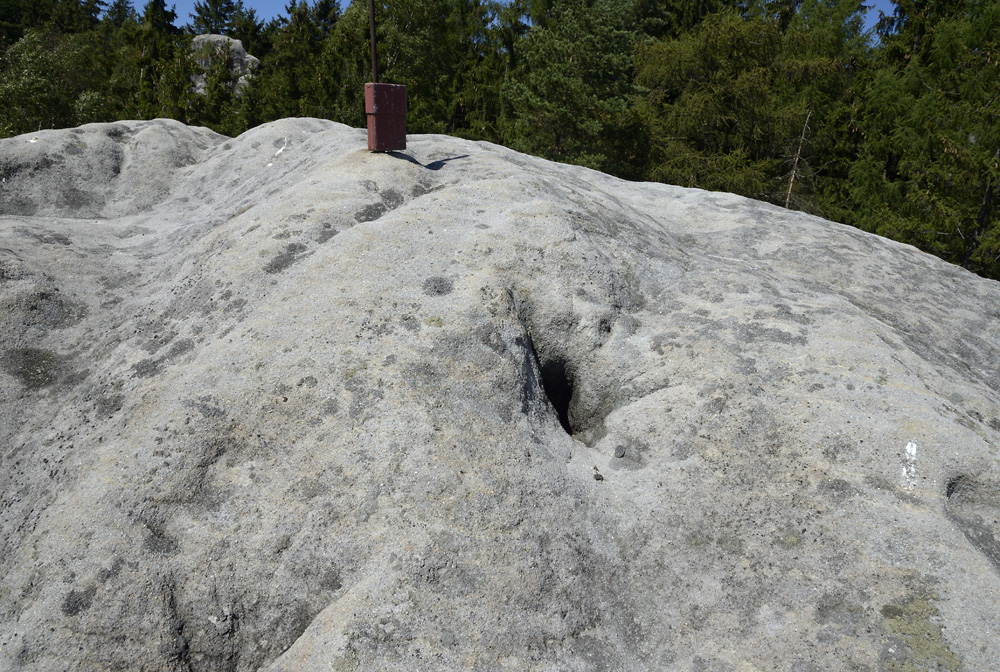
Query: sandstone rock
column 277, row 403
column 242, row 65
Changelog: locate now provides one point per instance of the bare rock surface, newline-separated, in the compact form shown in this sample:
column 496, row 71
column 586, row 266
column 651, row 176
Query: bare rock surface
column 276, row 403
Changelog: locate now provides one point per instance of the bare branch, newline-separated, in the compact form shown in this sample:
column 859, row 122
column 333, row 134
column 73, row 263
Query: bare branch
column 795, row 163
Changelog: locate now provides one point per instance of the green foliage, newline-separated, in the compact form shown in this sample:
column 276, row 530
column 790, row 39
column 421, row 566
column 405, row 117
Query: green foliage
column 728, row 102
column 569, row 96
column 118, row 13
column 928, row 171
column 659, row 19
column 710, row 106
column 48, row 82
column 249, row 30
column 288, row 83
column 214, row 17
column 344, row 67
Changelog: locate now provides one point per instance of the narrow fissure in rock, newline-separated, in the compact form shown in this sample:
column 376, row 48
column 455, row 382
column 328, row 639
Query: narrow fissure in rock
column 556, row 383
column 558, row 388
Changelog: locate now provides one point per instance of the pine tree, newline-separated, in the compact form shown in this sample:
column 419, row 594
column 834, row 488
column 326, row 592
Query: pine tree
column 753, row 102
column 158, row 19
column 570, row 96
column 344, row 67
column 325, row 14
column 159, row 67
column 709, row 106
column 288, row 82
column 75, row 16
column 249, row 30
column 215, row 17
column 118, row 13
column 928, row 172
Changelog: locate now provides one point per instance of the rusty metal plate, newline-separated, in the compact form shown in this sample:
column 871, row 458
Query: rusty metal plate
column 385, row 107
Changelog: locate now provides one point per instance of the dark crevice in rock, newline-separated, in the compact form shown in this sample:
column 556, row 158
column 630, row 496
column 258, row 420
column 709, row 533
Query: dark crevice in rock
column 954, row 486
column 556, row 383
column 581, row 397
column 559, row 389
column 973, row 503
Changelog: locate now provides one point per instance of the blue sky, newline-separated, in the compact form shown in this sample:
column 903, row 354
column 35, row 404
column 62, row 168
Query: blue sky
column 268, row 9
column 884, row 5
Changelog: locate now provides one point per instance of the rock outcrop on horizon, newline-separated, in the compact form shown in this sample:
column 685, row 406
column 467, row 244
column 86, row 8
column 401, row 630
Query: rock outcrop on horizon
column 242, row 64
column 277, row 403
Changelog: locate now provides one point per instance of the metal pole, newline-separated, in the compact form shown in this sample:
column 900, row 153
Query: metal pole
column 371, row 21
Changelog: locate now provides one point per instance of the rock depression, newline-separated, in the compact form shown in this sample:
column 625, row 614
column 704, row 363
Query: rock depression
column 276, row 403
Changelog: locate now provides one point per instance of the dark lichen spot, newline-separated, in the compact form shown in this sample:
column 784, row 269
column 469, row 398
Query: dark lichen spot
column 106, row 406
column 437, row 286
column 76, row 198
column 326, row 233
column 916, row 622
column 330, row 579
column 111, row 572
column 54, row 238
column 36, row 368
column 206, row 407
column 49, row 309
column 161, row 544
column 235, row 306
column 370, row 213
column 422, row 189
column 146, row 368
column 78, row 601
column 892, row 611
column 410, row 323
column 181, row 347
column 17, row 205
column 291, row 254
column 836, row 489
column 392, row 199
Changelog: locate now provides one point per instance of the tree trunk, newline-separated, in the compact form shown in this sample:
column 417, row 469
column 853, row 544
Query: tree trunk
column 972, row 240
column 795, row 163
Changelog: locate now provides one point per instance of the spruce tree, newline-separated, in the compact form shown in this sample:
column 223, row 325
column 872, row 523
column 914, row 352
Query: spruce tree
column 215, row 16
column 249, row 30
column 118, row 12
column 929, row 169
column 570, row 95
column 287, row 84
column 754, row 102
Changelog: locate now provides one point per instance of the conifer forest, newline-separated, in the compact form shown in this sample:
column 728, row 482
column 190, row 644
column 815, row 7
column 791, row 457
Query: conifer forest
column 895, row 130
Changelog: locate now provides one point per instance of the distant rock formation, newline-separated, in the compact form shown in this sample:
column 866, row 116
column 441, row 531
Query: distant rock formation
column 278, row 403
column 242, row 66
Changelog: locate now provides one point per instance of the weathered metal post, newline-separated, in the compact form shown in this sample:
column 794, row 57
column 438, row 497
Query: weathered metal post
column 385, row 104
